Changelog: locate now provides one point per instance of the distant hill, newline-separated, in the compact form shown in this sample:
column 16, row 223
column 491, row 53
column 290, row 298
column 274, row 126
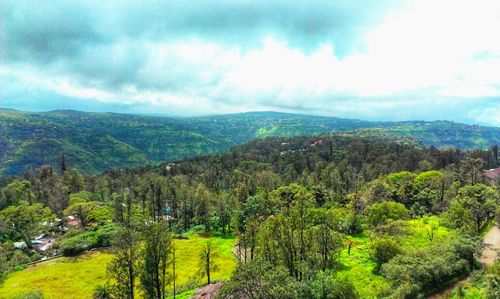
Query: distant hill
column 94, row 142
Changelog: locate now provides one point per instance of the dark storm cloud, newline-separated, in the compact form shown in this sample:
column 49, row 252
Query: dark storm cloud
column 103, row 44
column 352, row 58
column 45, row 31
column 304, row 23
column 42, row 32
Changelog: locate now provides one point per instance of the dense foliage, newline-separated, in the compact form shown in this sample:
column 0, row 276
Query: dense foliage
column 94, row 142
column 298, row 207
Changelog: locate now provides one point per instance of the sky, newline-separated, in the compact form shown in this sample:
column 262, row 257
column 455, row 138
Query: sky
column 373, row 60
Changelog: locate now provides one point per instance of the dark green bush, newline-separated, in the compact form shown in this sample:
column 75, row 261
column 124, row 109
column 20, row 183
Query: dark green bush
column 99, row 237
column 424, row 271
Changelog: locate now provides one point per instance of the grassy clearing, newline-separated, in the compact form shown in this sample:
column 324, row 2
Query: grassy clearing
column 74, row 277
column 77, row 277
column 187, row 252
column 420, row 231
column 359, row 268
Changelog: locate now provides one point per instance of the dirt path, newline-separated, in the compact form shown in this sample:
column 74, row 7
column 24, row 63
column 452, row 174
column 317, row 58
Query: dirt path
column 491, row 246
column 488, row 257
column 207, row 292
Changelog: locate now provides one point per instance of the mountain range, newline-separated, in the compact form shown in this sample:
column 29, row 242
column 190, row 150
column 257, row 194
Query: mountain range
column 93, row 142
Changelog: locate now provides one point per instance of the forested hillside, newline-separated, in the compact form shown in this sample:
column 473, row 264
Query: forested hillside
column 331, row 216
column 94, row 142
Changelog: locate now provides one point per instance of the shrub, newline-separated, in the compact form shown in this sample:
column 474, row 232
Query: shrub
column 100, row 216
column 102, row 292
column 327, row 286
column 497, row 216
column 99, row 237
column 424, row 270
column 493, row 281
column 258, row 279
column 383, row 250
column 385, row 212
column 76, row 245
column 30, row 295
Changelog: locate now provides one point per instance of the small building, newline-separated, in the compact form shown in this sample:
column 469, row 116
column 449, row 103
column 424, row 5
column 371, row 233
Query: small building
column 20, row 245
column 317, row 142
column 492, row 176
column 72, row 221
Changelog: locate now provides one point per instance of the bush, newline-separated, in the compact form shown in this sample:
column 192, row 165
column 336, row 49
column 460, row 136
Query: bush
column 493, row 281
column 76, row 245
column 383, row 250
column 100, row 216
column 99, row 237
column 327, row 286
column 30, row 295
column 385, row 212
column 102, row 292
column 258, row 279
column 425, row 270
column 197, row 229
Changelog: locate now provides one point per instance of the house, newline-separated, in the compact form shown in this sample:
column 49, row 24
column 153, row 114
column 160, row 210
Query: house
column 72, row 221
column 20, row 245
column 317, row 142
column 492, row 176
column 170, row 166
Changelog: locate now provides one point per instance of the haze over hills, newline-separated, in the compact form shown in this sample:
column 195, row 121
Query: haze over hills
column 94, row 142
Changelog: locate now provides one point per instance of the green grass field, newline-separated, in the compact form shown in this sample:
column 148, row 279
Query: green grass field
column 77, row 277
column 64, row 277
column 359, row 268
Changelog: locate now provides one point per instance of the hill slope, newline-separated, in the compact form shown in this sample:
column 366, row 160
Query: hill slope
column 94, row 142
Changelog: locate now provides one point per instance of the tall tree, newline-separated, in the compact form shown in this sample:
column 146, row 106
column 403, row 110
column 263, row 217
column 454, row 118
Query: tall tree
column 471, row 170
column 81, row 210
column 64, row 167
column 156, row 250
column 24, row 221
column 15, row 193
column 206, row 262
column 123, row 269
column 480, row 202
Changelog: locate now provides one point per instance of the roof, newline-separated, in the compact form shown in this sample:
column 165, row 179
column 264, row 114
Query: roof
column 492, row 173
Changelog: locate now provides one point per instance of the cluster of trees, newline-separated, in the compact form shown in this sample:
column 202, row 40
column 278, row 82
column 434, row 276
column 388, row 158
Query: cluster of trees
column 141, row 252
column 290, row 201
column 145, row 258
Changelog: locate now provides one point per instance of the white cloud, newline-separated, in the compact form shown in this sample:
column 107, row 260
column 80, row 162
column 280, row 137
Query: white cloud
column 424, row 52
column 490, row 115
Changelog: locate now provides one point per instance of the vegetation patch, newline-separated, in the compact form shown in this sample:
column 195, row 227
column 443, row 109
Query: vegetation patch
column 78, row 276
column 64, row 277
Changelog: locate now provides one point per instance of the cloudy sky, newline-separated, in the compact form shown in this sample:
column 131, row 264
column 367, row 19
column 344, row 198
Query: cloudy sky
column 375, row 60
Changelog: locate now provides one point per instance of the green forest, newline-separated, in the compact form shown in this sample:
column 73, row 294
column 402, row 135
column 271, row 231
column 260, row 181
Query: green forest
column 329, row 216
column 95, row 142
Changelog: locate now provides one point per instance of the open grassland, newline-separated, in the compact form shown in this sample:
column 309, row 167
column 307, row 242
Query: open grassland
column 76, row 277
column 188, row 251
column 66, row 277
